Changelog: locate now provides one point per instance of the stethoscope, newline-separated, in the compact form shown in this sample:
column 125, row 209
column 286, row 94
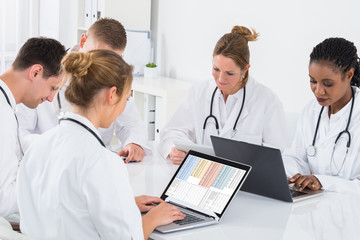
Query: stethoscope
column 61, row 112
column 17, row 121
column 215, row 119
column 84, row 126
column 311, row 150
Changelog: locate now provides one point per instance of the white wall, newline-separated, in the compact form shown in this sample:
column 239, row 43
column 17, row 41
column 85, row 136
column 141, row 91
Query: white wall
column 58, row 20
column 68, row 23
column 186, row 32
column 18, row 22
column 49, row 18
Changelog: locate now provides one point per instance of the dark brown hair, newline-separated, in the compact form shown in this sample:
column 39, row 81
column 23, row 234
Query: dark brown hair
column 93, row 71
column 44, row 51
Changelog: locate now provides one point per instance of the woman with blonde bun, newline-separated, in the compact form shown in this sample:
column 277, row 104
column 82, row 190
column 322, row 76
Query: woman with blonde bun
column 233, row 106
column 70, row 186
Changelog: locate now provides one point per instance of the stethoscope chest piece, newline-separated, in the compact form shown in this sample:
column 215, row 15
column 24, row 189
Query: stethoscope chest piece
column 61, row 114
column 311, row 151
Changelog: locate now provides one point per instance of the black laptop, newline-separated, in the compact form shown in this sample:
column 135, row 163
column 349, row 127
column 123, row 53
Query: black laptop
column 267, row 177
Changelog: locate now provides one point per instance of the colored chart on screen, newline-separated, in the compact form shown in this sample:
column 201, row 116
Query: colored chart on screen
column 205, row 183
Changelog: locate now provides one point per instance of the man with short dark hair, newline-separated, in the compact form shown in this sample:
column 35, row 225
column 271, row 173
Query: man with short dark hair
column 33, row 78
column 105, row 33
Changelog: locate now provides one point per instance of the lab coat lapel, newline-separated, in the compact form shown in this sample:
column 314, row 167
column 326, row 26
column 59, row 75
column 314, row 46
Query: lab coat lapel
column 335, row 130
column 232, row 118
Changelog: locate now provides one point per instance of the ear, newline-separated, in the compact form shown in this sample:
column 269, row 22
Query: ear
column 83, row 40
column 349, row 75
column 35, row 72
column 111, row 96
column 246, row 68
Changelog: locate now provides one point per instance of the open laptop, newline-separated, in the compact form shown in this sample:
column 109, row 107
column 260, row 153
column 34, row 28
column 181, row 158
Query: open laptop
column 267, row 177
column 187, row 146
column 202, row 188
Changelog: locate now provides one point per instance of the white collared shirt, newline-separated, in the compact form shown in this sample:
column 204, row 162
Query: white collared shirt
column 225, row 108
column 261, row 122
column 71, row 187
column 10, row 153
column 322, row 165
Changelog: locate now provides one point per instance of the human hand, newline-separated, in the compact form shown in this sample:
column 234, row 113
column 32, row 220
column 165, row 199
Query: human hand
column 303, row 181
column 132, row 152
column 177, row 156
column 164, row 213
column 146, row 203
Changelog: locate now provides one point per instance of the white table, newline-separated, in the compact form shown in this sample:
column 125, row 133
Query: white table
column 330, row 216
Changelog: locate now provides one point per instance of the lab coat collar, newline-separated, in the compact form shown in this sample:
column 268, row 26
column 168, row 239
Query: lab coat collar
column 341, row 118
column 344, row 112
column 81, row 119
column 235, row 111
column 9, row 94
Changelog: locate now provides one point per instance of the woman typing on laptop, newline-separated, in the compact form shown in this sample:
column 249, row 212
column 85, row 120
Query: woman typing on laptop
column 233, row 106
column 70, row 186
column 325, row 151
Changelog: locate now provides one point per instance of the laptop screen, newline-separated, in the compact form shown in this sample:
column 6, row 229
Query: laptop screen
column 207, row 182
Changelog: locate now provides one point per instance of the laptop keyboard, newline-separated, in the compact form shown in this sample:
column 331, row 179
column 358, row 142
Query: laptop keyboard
column 296, row 193
column 188, row 219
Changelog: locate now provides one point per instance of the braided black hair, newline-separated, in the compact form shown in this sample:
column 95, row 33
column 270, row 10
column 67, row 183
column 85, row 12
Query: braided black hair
column 341, row 53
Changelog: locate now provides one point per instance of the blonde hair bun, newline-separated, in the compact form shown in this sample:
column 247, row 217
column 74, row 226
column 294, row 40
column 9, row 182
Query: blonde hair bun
column 249, row 35
column 77, row 63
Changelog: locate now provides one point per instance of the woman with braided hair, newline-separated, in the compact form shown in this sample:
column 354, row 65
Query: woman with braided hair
column 325, row 153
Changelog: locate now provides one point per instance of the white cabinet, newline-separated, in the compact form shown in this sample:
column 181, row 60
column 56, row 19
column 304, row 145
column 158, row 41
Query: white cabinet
column 157, row 99
column 133, row 14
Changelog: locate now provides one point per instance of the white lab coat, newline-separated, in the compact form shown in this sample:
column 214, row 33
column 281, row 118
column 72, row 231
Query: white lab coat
column 10, row 154
column 128, row 127
column 262, row 120
column 296, row 159
column 34, row 122
column 71, row 187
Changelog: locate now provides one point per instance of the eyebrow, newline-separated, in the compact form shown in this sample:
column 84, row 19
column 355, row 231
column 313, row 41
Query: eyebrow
column 325, row 79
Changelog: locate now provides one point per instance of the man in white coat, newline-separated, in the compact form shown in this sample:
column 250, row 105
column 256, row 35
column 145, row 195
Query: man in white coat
column 33, row 78
column 129, row 128
column 233, row 106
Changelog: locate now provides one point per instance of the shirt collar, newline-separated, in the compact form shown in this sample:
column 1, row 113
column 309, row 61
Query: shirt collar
column 341, row 112
column 9, row 94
